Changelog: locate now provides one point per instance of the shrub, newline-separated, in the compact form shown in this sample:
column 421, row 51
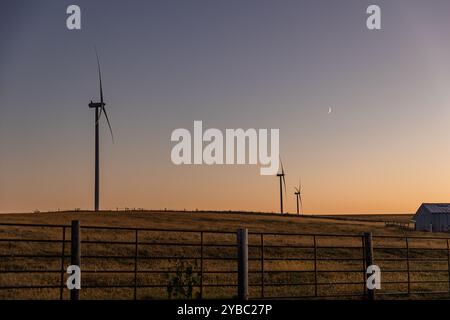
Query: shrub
column 183, row 283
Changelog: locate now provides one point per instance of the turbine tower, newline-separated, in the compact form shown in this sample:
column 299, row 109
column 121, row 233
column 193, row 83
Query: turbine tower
column 298, row 196
column 99, row 109
column 282, row 182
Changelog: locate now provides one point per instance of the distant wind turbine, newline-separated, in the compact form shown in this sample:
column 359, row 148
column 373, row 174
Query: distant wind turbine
column 298, row 195
column 282, row 182
column 99, row 109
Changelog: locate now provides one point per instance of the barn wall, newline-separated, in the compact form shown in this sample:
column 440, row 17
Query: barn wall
column 440, row 222
column 423, row 220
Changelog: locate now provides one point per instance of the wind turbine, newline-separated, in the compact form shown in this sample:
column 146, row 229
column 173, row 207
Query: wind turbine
column 298, row 196
column 99, row 109
column 282, row 181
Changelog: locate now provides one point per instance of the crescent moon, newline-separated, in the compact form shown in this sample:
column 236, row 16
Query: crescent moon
column 329, row 110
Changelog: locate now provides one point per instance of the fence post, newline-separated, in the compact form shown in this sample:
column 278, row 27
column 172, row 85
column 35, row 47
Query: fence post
column 316, row 291
column 201, row 265
column 242, row 242
column 448, row 265
column 136, row 254
column 75, row 254
column 63, row 252
column 262, row 265
column 368, row 246
column 407, row 264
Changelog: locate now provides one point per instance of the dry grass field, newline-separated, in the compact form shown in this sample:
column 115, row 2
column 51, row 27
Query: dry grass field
column 259, row 222
column 292, row 264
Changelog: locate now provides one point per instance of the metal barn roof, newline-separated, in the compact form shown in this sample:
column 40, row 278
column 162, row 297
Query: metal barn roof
column 437, row 207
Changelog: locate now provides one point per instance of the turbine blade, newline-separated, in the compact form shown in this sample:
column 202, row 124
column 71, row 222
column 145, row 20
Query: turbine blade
column 99, row 115
column 301, row 203
column 99, row 77
column 282, row 169
column 109, row 124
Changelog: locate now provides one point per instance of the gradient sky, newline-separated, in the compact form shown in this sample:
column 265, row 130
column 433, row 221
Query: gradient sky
column 237, row 63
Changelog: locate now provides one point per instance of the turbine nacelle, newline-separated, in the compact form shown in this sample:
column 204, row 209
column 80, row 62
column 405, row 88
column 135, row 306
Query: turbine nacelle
column 97, row 104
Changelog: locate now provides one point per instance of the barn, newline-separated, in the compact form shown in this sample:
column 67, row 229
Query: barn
column 433, row 217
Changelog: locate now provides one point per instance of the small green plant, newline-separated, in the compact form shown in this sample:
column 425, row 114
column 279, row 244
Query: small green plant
column 183, row 283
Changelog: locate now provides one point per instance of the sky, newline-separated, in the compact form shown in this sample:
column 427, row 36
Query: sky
column 282, row 64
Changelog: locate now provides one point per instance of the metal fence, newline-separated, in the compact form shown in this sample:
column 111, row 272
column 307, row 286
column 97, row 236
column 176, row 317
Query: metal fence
column 144, row 263
column 19, row 261
column 413, row 266
column 400, row 224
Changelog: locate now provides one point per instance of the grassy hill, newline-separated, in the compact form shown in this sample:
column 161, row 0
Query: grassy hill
column 259, row 222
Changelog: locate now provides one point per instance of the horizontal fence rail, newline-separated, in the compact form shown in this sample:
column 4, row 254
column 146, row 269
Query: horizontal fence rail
column 150, row 263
